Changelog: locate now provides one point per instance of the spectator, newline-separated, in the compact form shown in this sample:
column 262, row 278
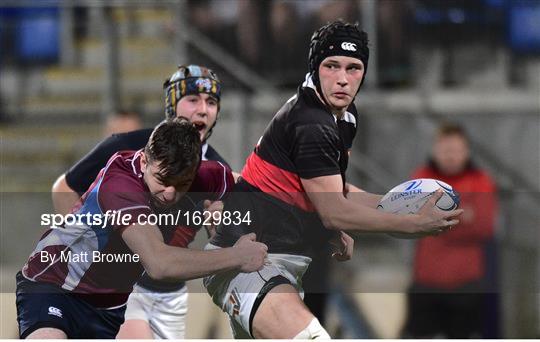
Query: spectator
column 286, row 67
column 122, row 121
column 448, row 296
column 393, row 37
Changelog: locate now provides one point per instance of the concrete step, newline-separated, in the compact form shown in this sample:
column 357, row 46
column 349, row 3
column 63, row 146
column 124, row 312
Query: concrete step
column 32, row 139
column 79, row 81
column 142, row 52
column 20, row 178
column 34, row 156
column 143, row 21
column 86, row 109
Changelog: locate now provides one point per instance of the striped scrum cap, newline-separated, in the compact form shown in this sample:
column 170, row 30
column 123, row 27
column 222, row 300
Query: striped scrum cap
column 189, row 80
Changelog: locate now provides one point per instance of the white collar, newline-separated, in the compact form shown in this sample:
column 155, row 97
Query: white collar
column 204, row 148
column 308, row 82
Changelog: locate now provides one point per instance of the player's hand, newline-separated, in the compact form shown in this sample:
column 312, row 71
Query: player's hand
column 343, row 247
column 252, row 254
column 433, row 221
column 209, row 208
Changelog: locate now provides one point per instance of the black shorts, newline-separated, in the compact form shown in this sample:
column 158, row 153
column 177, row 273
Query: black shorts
column 41, row 305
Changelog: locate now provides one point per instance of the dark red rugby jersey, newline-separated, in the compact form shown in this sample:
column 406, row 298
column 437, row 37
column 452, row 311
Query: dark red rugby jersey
column 82, row 174
column 120, row 187
column 303, row 140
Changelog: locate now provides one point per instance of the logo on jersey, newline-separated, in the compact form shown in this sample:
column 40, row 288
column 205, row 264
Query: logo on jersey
column 234, row 301
column 55, row 311
column 348, row 46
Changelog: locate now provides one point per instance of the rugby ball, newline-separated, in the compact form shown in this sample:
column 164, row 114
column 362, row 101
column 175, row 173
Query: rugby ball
column 410, row 196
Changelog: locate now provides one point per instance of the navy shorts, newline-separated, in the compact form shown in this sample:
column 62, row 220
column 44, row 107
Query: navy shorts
column 41, row 305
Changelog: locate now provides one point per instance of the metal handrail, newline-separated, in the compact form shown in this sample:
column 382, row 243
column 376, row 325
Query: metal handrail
column 240, row 71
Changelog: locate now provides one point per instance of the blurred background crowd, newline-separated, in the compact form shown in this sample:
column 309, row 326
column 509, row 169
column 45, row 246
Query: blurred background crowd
column 71, row 72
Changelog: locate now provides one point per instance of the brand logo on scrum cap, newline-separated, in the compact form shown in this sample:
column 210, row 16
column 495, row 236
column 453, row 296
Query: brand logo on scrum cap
column 348, row 46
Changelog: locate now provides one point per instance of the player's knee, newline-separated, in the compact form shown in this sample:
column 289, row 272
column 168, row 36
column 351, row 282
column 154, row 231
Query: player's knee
column 46, row 334
column 281, row 314
column 135, row 329
column 313, row 331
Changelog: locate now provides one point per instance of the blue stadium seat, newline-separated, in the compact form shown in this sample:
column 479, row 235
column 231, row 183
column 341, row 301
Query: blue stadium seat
column 524, row 26
column 1, row 37
column 450, row 21
column 37, row 35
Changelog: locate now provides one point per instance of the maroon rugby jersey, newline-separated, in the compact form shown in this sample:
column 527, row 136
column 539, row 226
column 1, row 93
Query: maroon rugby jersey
column 64, row 256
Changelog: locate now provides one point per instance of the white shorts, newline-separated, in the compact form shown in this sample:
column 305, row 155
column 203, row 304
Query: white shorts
column 165, row 312
column 237, row 293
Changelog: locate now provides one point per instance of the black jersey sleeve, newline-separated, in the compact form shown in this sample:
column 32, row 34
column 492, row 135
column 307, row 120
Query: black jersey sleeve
column 83, row 173
column 316, row 150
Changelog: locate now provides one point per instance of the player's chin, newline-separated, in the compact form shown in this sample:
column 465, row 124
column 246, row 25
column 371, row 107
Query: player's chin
column 340, row 105
column 341, row 102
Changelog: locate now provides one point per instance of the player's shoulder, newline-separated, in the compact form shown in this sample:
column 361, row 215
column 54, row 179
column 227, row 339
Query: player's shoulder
column 305, row 109
column 213, row 154
column 212, row 175
column 123, row 165
column 211, row 166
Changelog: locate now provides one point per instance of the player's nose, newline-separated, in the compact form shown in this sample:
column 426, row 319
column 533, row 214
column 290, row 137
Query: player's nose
column 203, row 109
column 342, row 77
column 169, row 194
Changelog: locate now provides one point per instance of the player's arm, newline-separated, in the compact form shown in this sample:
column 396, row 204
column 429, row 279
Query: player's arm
column 360, row 196
column 338, row 212
column 70, row 186
column 63, row 196
column 164, row 262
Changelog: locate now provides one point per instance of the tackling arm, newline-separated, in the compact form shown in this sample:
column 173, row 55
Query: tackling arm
column 164, row 262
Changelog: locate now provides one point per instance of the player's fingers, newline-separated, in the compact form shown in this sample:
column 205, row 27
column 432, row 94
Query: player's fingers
column 217, row 205
column 264, row 246
column 338, row 256
column 453, row 213
column 207, row 203
column 350, row 248
column 435, row 196
column 250, row 236
column 451, row 223
column 438, row 231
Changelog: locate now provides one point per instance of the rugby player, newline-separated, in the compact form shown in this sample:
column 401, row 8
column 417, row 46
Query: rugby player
column 60, row 295
column 294, row 185
column 157, row 309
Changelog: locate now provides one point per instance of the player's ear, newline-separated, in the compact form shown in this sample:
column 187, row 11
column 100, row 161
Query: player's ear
column 144, row 162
